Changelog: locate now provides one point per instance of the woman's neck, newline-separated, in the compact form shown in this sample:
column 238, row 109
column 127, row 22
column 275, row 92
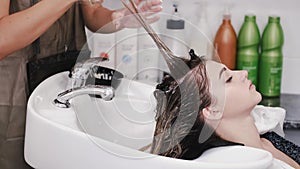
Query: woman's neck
column 243, row 130
column 240, row 130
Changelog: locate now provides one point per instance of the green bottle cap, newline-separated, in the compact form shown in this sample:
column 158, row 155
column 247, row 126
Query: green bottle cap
column 274, row 19
column 250, row 18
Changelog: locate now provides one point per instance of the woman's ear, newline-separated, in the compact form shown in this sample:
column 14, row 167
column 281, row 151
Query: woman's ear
column 211, row 114
column 206, row 112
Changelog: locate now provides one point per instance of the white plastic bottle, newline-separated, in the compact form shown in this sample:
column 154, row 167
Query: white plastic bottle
column 103, row 45
column 126, row 53
column 148, row 55
column 201, row 38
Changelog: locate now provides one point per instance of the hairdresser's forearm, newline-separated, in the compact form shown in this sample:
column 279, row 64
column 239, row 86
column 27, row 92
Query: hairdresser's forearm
column 22, row 28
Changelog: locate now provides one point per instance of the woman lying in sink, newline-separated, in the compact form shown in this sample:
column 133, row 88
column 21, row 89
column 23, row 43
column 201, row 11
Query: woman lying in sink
column 210, row 107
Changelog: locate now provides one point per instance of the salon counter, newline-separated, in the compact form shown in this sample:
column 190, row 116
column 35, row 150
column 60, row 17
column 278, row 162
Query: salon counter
column 291, row 103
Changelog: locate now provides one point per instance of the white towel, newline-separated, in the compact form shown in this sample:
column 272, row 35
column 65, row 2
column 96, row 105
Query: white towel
column 269, row 119
column 280, row 165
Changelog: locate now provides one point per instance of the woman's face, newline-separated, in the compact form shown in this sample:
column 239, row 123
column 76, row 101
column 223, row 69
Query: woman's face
column 234, row 93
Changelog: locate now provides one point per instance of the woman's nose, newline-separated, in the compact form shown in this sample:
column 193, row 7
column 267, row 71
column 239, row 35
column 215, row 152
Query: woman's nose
column 243, row 74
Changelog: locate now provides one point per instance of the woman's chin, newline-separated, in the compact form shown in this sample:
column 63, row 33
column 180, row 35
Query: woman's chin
column 259, row 97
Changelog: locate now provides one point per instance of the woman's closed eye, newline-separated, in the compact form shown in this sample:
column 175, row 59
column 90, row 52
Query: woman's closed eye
column 228, row 79
column 225, row 74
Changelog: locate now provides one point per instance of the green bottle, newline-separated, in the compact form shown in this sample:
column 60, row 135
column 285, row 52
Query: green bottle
column 271, row 58
column 247, row 48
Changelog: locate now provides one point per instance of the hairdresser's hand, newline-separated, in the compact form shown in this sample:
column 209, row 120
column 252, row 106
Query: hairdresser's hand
column 124, row 19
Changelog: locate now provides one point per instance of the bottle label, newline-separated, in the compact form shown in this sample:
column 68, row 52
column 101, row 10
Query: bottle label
column 270, row 78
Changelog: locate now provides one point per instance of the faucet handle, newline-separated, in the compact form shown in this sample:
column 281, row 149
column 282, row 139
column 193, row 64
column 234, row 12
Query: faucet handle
column 105, row 92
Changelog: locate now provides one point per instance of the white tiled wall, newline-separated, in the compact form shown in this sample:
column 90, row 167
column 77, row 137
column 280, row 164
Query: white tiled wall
column 290, row 19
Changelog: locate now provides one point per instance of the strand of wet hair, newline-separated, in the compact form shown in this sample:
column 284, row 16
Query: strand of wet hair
column 177, row 65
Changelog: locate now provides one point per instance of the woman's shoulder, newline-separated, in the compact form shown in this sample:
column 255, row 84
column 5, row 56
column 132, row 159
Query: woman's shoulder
column 274, row 142
column 266, row 143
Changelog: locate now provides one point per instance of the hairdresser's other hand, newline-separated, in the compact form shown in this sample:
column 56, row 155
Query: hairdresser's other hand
column 124, row 19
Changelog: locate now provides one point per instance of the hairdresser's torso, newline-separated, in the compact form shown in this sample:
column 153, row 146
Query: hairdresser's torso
column 66, row 34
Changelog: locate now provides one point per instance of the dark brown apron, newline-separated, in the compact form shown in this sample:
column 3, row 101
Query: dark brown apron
column 59, row 44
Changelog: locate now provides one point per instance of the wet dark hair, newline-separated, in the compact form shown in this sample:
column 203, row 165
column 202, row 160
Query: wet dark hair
column 179, row 119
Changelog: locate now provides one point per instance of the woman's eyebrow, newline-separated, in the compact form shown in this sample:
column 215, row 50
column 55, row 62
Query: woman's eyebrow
column 221, row 72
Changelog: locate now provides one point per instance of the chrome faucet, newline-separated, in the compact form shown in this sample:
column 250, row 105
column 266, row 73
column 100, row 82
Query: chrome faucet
column 77, row 84
column 105, row 92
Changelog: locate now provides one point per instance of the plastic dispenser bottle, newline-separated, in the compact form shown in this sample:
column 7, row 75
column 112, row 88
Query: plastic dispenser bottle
column 225, row 42
column 271, row 58
column 201, row 38
column 174, row 38
column 102, row 45
column 175, row 35
column 248, row 46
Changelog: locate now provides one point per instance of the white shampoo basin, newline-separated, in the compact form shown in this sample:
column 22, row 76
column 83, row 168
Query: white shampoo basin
column 94, row 133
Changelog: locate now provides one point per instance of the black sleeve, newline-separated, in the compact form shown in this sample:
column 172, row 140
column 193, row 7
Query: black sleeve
column 287, row 147
column 196, row 149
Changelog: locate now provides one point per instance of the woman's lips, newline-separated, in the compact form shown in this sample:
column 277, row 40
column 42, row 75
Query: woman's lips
column 251, row 85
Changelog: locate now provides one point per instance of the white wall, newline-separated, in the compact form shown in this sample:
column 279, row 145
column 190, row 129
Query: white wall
column 290, row 19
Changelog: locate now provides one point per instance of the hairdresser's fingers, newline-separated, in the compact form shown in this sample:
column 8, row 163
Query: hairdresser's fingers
column 152, row 20
column 156, row 9
column 90, row 2
column 153, row 2
column 151, row 6
column 152, row 11
column 137, row 2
